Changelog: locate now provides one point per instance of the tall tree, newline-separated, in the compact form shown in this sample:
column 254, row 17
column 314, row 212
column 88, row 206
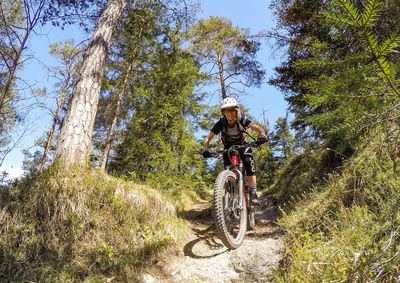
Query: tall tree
column 135, row 35
column 68, row 56
column 364, row 88
column 160, row 133
column 228, row 50
column 18, row 20
column 282, row 143
column 77, row 128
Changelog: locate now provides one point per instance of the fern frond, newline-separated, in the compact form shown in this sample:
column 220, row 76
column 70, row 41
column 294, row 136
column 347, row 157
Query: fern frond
column 338, row 20
column 389, row 45
column 371, row 12
column 320, row 63
column 352, row 11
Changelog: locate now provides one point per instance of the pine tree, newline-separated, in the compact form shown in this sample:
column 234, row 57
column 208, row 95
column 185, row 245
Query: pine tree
column 282, row 142
column 158, row 139
column 135, row 35
column 68, row 57
column 359, row 91
column 77, row 128
column 304, row 32
column 230, row 51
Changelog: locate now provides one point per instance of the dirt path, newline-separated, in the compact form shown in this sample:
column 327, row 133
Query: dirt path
column 203, row 258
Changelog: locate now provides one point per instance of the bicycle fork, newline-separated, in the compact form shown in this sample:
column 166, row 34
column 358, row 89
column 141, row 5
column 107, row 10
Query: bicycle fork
column 241, row 191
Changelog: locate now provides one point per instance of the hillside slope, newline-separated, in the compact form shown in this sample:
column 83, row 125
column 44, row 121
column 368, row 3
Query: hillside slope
column 82, row 225
column 347, row 228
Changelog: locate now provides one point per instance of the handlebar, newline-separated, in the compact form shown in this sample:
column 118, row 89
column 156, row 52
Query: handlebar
column 235, row 147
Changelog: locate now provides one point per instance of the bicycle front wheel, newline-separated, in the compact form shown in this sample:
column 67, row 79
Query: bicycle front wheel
column 230, row 213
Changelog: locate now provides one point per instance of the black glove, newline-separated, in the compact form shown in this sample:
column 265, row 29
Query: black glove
column 207, row 154
column 262, row 139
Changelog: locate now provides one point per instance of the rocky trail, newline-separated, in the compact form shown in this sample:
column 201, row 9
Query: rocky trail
column 203, row 258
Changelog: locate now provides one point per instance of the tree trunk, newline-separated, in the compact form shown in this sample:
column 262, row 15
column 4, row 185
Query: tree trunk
column 77, row 128
column 32, row 16
column 53, row 127
column 221, row 77
column 111, row 131
column 10, row 79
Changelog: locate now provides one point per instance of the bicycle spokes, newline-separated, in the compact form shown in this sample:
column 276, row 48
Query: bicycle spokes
column 232, row 207
column 230, row 212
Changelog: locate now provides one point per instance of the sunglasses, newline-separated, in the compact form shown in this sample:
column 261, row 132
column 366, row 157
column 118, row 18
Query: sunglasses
column 229, row 110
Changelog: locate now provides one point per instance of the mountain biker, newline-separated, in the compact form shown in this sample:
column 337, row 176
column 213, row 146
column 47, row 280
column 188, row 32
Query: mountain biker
column 232, row 126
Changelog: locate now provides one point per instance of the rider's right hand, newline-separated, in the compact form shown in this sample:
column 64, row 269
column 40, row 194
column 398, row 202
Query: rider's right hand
column 207, row 154
column 262, row 139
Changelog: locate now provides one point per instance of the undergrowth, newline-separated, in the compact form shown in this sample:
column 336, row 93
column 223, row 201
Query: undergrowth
column 347, row 229
column 303, row 173
column 82, row 225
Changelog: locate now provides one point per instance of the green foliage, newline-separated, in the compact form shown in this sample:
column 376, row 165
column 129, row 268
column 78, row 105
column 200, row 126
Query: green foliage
column 298, row 26
column 134, row 40
column 82, row 225
column 264, row 166
column 303, row 173
column 332, row 258
column 158, row 141
column 345, row 228
column 282, row 142
column 217, row 43
column 343, row 52
column 358, row 90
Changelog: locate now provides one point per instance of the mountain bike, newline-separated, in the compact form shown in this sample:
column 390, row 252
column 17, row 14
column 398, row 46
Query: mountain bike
column 232, row 210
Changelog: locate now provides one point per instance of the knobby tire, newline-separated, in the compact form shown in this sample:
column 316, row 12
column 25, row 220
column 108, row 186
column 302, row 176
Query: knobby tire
column 230, row 229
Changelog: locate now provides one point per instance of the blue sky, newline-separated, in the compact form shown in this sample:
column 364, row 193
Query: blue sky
column 257, row 16
column 252, row 14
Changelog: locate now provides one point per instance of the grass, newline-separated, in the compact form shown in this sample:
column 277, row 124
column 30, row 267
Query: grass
column 82, row 225
column 302, row 174
column 346, row 228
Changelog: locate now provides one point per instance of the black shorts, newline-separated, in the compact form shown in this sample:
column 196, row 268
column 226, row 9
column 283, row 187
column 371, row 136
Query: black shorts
column 246, row 154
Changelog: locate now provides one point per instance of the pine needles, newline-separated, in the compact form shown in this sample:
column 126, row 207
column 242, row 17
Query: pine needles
column 346, row 229
column 353, row 93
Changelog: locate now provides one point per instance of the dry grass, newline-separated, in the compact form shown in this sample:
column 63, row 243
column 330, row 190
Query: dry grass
column 82, row 225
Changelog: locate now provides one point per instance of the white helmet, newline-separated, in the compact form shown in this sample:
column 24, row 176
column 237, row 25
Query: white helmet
column 229, row 102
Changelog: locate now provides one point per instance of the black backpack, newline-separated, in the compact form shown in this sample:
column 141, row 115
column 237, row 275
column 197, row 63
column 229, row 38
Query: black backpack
column 224, row 137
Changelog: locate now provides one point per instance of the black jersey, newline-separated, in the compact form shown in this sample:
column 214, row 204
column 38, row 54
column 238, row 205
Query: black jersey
column 231, row 135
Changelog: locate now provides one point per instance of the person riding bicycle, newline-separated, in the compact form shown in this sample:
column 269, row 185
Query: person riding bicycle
column 232, row 127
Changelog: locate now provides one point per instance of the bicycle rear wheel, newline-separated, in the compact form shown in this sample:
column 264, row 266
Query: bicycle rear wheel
column 230, row 215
